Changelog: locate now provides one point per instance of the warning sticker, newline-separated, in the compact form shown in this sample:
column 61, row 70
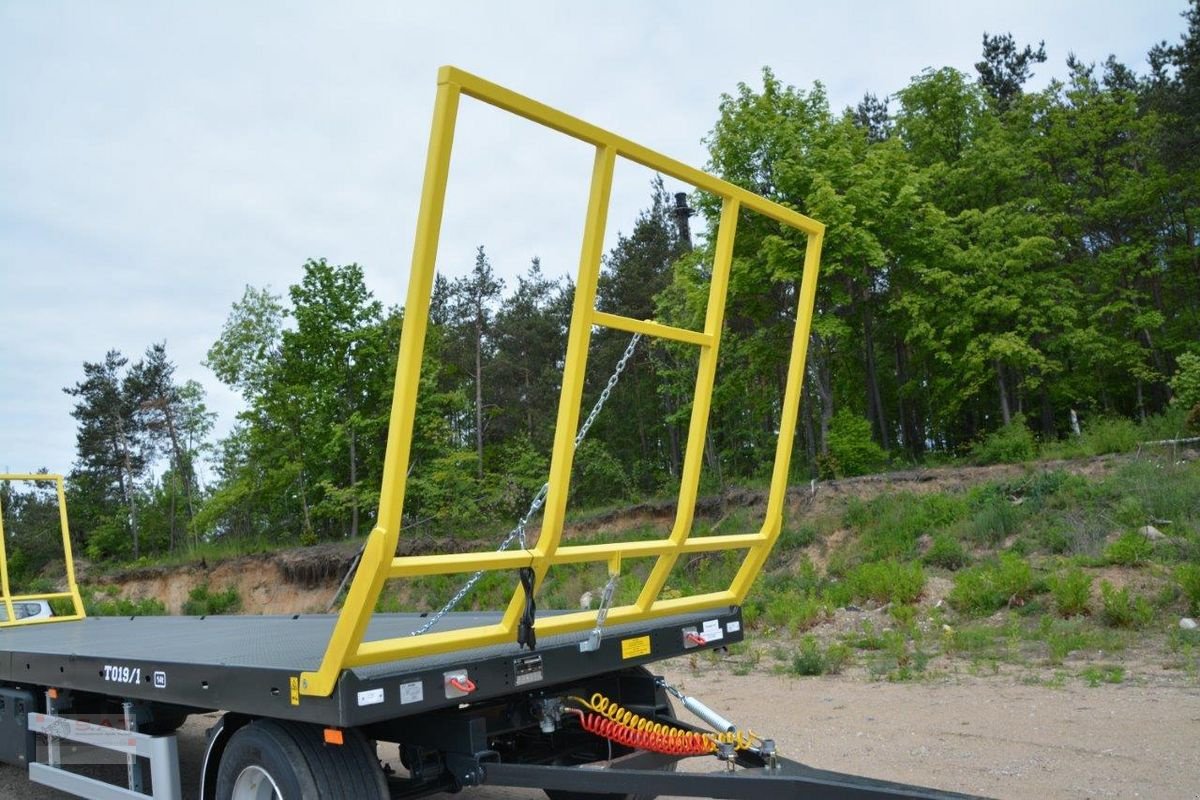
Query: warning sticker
column 638, row 646
column 295, row 690
column 412, row 692
column 712, row 630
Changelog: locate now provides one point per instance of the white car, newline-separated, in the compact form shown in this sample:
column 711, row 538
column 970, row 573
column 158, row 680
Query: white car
column 27, row 609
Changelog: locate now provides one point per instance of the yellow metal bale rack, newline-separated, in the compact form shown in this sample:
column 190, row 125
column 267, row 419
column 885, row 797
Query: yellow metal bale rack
column 347, row 647
column 72, row 592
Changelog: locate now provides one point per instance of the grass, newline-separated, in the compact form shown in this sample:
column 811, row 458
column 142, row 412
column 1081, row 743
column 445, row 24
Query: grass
column 1122, row 610
column 203, row 601
column 988, row 587
column 1072, row 592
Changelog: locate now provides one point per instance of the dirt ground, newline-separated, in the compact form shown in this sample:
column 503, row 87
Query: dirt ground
column 989, row 736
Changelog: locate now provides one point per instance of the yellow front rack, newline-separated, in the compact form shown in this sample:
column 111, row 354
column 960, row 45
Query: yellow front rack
column 72, row 593
column 379, row 563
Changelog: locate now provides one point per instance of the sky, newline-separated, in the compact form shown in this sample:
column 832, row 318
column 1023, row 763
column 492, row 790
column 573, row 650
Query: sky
column 157, row 157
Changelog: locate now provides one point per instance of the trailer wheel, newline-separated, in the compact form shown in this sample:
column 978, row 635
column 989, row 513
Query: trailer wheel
column 272, row 760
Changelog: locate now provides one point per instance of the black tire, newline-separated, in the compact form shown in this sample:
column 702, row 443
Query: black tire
column 297, row 764
column 163, row 723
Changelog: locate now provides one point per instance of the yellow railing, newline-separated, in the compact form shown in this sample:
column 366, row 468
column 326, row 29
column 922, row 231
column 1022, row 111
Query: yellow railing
column 379, row 563
column 6, row 597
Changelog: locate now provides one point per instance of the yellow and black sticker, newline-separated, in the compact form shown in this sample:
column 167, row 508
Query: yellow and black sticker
column 638, row 646
column 295, row 691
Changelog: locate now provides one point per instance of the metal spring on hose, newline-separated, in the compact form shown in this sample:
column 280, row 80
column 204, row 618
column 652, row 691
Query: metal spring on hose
column 623, row 726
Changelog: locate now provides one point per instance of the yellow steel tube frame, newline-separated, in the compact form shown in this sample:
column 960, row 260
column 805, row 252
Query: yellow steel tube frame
column 346, row 646
column 6, row 597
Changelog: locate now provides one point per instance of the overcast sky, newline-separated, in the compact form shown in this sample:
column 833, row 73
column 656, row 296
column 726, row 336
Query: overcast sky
column 156, row 157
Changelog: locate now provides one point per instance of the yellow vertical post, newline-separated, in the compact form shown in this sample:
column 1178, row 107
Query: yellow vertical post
column 381, row 545
column 773, row 523
column 574, row 372
column 72, row 587
column 8, row 607
column 706, row 373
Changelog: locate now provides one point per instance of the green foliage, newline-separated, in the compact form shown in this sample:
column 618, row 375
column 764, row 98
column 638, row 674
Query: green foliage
column 851, row 447
column 886, row 582
column 1186, row 385
column 946, row 552
column 1012, row 443
column 1096, row 675
column 1129, row 550
column 1111, row 435
column 996, row 520
column 983, row 589
column 1122, row 610
column 599, row 477
column 107, row 604
column 1188, row 578
column 811, row 659
column 1072, row 592
column 889, row 525
column 796, row 612
column 203, row 601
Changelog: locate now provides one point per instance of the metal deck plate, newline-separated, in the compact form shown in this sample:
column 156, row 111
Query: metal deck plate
column 249, row 663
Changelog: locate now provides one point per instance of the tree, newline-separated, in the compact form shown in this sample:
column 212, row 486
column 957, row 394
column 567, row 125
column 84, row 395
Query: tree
column 474, row 300
column 1005, row 68
column 175, row 420
column 110, row 442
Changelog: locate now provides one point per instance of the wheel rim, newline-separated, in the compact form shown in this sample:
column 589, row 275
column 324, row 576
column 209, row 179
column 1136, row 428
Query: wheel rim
column 255, row 783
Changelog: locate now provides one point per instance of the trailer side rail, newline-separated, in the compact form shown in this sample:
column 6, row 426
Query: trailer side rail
column 347, row 647
column 7, row 598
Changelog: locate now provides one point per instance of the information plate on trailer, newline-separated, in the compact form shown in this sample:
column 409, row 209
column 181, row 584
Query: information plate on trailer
column 527, row 670
column 635, row 647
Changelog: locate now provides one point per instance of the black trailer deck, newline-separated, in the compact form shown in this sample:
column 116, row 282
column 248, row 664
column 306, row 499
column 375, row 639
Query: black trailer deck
column 252, row 664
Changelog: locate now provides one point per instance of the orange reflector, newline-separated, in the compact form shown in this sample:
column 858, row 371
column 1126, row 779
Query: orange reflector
column 53, row 694
column 334, row 736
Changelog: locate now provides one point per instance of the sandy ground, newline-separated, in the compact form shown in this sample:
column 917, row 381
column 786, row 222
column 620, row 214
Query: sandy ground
column 988, row 736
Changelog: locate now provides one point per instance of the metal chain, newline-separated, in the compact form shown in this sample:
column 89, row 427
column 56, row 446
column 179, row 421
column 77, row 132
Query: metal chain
column 539, row 500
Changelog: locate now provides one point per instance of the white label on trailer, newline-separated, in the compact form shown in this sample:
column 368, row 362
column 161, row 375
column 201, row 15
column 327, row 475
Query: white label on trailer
column 733, row 626
column 712, row 630
column 160, row 680
column 412, row 692
column 372, row 697
column 119, row 674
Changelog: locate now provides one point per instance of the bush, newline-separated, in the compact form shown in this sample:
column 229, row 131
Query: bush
column 1185, row 384
column 793, row 611
column 810, row 659
column 1130, row 550
column 599, row 477
column 886, row 582
column 946, row 552
column 100, row 606
column 1121, row 610
column 995, row 521
column 993, row 585
column 1110, row 435
column 852, row 448
column 1072, row 592
column 204, row 602
column 1188, row 578
column 1013, row 442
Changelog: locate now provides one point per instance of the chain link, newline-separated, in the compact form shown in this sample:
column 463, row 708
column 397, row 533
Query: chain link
column 539, row 500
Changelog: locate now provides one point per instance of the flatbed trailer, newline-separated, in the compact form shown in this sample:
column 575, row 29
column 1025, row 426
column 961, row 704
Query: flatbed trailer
column 563, row 701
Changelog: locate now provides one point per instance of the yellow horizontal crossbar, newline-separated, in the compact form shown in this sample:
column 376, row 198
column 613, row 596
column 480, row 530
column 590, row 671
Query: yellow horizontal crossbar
column 491, row 561
column 651, row 328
